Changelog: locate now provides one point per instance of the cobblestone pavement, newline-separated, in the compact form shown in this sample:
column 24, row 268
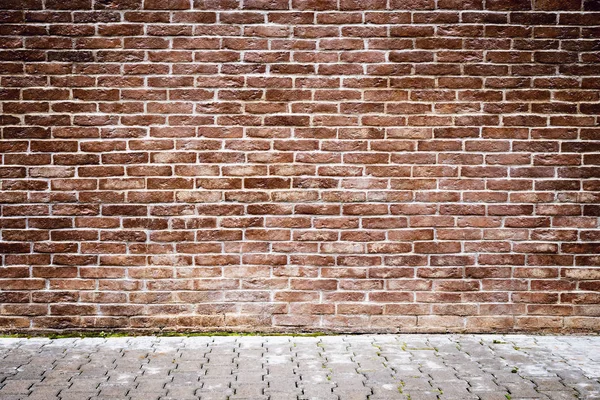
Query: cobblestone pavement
column 282, row 368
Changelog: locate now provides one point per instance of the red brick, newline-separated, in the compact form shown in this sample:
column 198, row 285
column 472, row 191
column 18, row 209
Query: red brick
column 448, row 187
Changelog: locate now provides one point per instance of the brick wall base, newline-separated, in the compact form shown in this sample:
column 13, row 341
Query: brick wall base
column 300, row 165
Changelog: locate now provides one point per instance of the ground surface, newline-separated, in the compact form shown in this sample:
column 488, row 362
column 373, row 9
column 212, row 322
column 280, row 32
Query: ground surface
column 329, row 367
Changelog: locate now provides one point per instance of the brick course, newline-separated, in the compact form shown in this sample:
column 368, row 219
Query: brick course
column 273, row 165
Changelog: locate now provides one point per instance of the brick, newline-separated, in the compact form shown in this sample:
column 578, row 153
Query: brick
column 557, row 5
column 418, row 165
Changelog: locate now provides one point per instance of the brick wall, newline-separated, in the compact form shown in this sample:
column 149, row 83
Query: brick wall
column 342, row 165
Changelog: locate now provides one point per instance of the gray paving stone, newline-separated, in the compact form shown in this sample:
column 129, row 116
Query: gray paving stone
column 179, row 398
column 214, row 396
column 561, row 395
column 491, row 395
column 20, row 386
column 367, row 367
column 64, row 395
column 143, row 395
column 183, row 391
column 46, row 394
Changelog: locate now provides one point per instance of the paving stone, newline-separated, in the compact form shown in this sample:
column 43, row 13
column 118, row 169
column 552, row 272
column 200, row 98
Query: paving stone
column 491, row 395
column 47, row 394
column 182, row 391
column 423, row 395
column 115, row 391
column 485, row 367
column 249, row 390
column 85, row 385
column 19, row 386
column 560, row 395
column 214, row 396
column 179, row 398
column 77, row 395
column 143, row 395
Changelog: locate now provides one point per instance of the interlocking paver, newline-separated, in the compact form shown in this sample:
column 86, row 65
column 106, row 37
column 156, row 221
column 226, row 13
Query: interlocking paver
column 368, row 367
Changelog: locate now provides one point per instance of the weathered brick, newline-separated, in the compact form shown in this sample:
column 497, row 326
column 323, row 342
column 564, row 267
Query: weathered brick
column 315, row 164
